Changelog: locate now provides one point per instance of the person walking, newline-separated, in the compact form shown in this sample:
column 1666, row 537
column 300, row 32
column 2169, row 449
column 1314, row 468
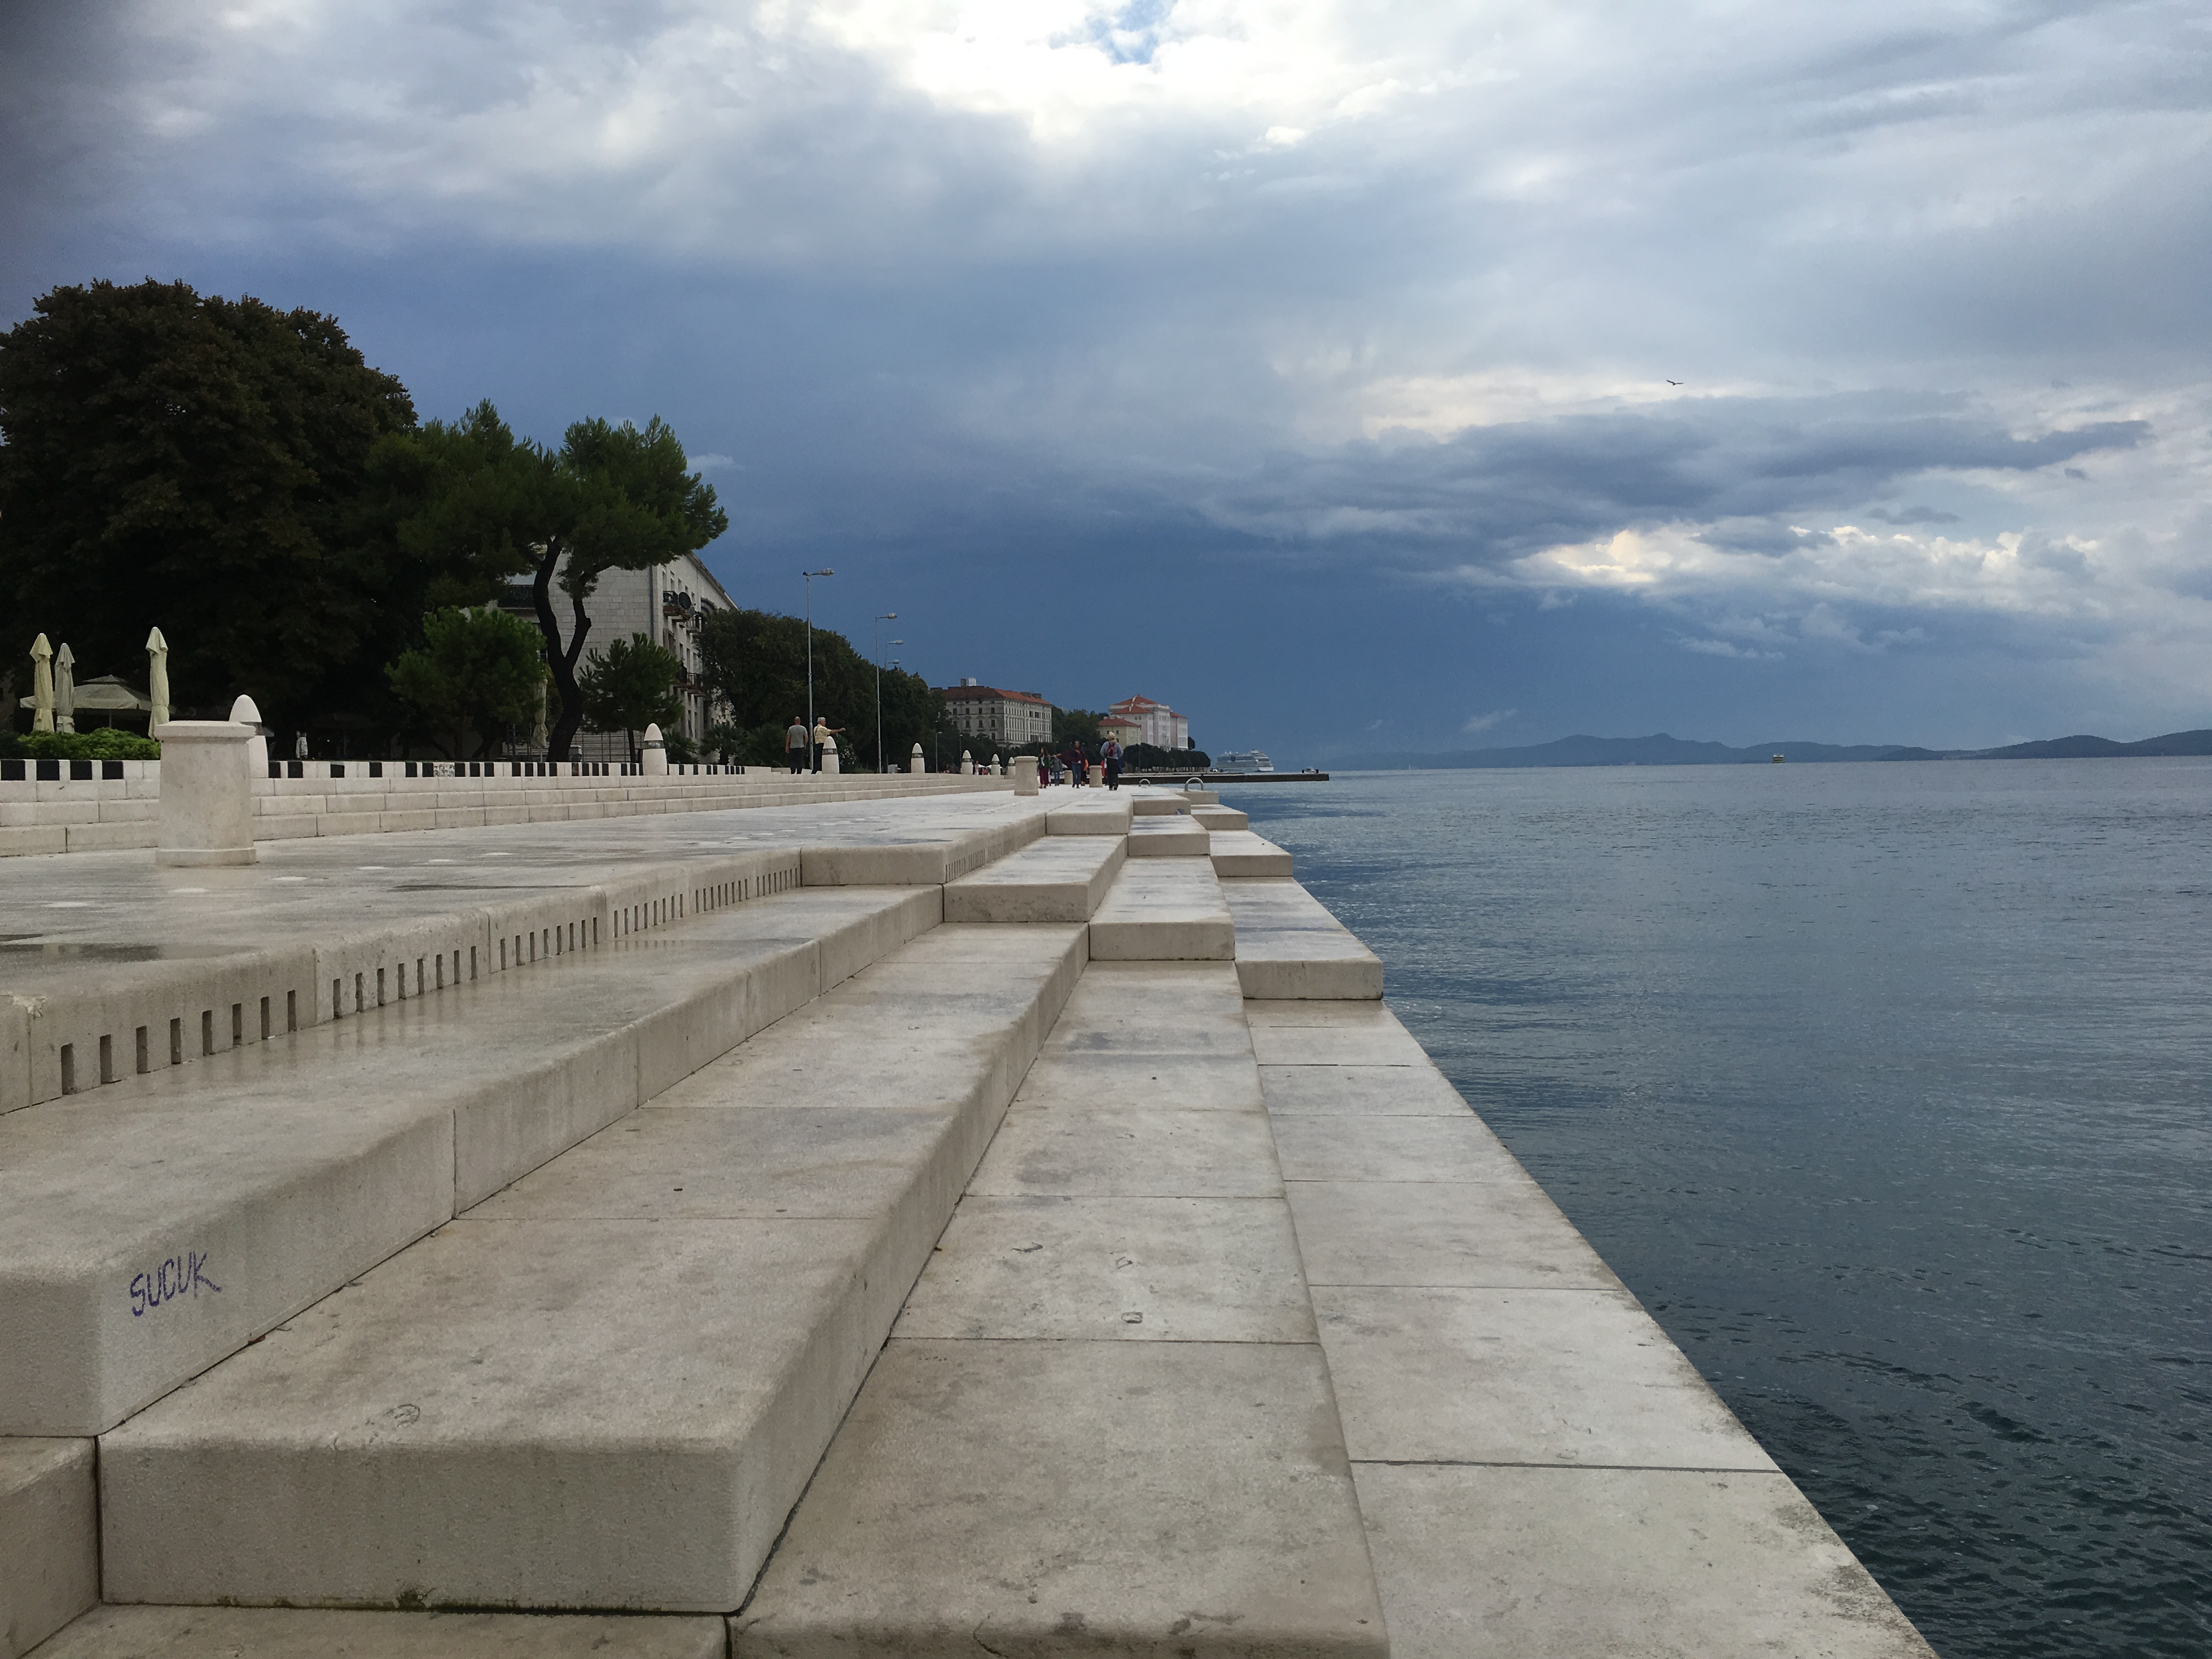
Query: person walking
column 1110, row 756
column 794, row 744
column 822, row 730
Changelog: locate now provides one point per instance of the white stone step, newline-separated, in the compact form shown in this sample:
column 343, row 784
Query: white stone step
column 113, row 1632
column 1180, row 837
column 1218, row 818
column 1239, row 852
column 1163, row 910
column 1151, row 801
column 151, row 1229
column 1102, row 1423
column 1062, row 878
column 1288, row 947
column 111, row 967
column 1541, row 1471
column 1105, row 815
column 605, row 1387
column 49, row 1539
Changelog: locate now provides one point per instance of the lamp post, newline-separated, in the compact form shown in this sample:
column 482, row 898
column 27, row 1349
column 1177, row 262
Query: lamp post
column 888, row 616
column 810, row 576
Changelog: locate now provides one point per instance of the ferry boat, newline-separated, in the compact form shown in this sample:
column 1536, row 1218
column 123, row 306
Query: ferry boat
column 1242, row 760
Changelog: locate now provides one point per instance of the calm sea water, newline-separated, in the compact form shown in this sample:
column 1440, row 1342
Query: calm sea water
column 1888, row 1089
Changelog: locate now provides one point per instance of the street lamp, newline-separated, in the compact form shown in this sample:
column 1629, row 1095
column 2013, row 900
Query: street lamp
column 888, row 616
column 810, row 576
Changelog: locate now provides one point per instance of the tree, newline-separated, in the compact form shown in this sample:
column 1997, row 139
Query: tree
column 630, row 687
column 1076, row 726
column 198, row 463
column 755, row 662
column 488, row 505
column 474, row 668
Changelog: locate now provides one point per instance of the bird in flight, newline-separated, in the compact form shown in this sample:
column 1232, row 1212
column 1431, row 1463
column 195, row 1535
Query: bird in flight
column 1672, row 382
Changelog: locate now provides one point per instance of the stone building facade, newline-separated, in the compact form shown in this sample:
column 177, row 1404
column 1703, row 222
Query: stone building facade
column 666, row 603
column 1157, row 724
column 1009, row 719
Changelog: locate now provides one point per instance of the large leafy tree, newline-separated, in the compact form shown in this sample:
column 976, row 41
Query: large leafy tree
column 198, row 463
column 479, row 669
column 485, row 506
column 755, row 662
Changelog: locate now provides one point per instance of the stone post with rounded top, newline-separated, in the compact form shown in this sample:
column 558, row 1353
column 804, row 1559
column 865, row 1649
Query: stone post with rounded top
column 914, row 762
column 654, row 750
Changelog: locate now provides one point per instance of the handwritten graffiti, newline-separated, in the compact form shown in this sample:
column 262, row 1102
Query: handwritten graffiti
column 181, row 1275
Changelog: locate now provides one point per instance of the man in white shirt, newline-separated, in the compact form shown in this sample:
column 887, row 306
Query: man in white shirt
column 822, row 732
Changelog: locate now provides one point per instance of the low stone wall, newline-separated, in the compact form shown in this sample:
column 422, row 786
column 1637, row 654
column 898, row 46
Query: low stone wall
column 77, row 807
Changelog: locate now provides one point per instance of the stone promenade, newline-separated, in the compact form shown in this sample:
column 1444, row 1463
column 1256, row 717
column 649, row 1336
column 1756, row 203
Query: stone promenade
column 934, row 1226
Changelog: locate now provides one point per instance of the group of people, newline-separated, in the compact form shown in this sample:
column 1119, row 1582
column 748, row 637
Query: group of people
column 803, row 750
column 800, row 743
column 1075, row 765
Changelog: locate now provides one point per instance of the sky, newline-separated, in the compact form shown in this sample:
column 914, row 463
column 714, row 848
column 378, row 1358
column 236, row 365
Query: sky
column 1352, row 376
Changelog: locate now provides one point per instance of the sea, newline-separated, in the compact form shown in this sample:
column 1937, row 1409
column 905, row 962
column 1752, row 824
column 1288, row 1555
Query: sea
column 1887, row 1088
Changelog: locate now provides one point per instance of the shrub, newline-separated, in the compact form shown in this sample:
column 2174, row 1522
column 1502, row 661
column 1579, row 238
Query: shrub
column 108, row 743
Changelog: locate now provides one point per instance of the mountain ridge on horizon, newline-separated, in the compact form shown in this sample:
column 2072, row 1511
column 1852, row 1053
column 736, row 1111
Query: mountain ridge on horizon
column 1661, row 750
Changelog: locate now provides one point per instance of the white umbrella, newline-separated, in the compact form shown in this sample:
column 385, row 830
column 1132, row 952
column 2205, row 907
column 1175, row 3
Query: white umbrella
column 65, row 690
column 42, row 685
column 157, row 678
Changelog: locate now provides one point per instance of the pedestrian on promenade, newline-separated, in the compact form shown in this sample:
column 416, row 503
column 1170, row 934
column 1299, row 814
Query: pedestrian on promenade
column 1109, row 757
column 822, row 730
column 794, row 744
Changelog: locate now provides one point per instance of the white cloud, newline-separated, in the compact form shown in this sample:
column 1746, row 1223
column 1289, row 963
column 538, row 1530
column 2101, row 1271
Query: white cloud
column 1478, row 723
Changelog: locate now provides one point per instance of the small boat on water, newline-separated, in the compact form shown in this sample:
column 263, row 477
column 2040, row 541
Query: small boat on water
column 1778, row 759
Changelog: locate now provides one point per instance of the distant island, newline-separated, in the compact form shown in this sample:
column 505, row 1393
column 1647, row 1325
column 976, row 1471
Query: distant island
column 1660, row 749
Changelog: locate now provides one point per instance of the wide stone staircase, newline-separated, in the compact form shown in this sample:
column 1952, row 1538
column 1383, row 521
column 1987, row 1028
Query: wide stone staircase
column 1011, row 1227
column 540, row 1290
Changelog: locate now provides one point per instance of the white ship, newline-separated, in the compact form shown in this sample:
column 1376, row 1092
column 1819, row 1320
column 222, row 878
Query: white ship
column 1242, row 760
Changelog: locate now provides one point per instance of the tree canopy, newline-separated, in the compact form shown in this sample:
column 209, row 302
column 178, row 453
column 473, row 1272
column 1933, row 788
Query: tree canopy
column 477, row 670
column 756, row 662
column 630, row 685
column 484, row 506
column 197, row 463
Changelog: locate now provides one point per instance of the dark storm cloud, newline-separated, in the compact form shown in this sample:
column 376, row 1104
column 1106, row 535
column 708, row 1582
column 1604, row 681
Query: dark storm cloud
column 1496, row 493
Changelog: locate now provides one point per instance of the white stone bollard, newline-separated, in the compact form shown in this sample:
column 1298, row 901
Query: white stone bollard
column 654, row 752
column 1025, row 775
column 246, row 712
column 914, row 761
column 831, row 765
column 206, row 814
column 967, row 764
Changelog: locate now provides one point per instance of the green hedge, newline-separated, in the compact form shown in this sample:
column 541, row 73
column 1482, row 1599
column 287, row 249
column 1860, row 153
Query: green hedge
column 108, row 743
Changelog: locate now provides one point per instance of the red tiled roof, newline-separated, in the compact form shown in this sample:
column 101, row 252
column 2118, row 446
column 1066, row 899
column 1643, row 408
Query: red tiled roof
column 974, row 693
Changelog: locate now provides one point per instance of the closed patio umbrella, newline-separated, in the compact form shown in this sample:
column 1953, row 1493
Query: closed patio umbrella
column 65, row 690
column 42, row 685
column 157, row 679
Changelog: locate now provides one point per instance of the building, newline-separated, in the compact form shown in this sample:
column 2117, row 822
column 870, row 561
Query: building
column 1012, row 719
column 666, row 603
column 1157, row 724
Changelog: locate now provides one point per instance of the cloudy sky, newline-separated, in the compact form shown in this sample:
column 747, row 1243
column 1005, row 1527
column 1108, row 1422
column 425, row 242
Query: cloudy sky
column 1418, row 376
